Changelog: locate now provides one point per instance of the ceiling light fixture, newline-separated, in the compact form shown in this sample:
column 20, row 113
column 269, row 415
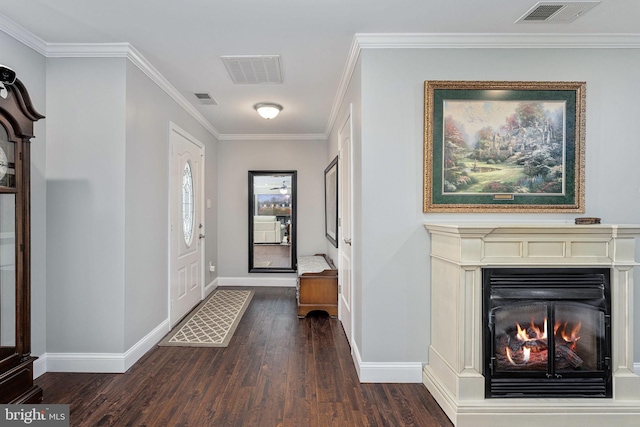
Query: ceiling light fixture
column 268, row 110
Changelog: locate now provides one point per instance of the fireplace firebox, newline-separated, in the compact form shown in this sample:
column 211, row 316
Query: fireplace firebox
column 547, row 332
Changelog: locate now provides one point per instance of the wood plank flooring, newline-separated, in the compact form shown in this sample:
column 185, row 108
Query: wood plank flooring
column 278, row 371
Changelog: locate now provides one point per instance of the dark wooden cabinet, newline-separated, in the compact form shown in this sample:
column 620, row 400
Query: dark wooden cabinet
column 17, row 116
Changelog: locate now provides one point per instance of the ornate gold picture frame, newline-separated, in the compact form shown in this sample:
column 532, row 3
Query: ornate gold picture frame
column 493, row 146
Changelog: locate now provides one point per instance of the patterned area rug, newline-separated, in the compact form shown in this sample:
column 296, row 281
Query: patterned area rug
column 213, row 322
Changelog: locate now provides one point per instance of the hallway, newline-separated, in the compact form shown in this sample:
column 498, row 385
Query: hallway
column 277, row 371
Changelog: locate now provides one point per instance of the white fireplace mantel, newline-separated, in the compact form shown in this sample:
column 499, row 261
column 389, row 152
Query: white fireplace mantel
column 453, row 375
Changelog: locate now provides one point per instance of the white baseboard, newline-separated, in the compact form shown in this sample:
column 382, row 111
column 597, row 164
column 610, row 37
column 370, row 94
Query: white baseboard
column 121, row 362
column 399, row 372
column 85, row 362
column 368, row 372
column 136, row 352
column 40, row 366
column 386, row 372
column 355, row 355
column 257, row 281
column 100, row 362
column 392, row 372
column 395, row 372
column 210, row 287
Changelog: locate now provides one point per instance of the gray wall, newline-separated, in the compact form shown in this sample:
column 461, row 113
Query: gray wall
column 394, row 245
column 235, row 159
column 149, row 111
column 85, row 204
column 31, row 70
column 108, row 175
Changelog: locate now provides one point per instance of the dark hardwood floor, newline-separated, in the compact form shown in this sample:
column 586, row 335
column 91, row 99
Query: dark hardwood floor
column 277, row 371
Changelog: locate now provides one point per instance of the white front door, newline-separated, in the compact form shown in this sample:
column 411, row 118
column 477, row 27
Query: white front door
column 187, row 229
column 345, row 221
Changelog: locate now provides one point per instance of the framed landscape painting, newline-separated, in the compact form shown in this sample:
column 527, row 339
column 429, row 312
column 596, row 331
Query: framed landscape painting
column 504, row 146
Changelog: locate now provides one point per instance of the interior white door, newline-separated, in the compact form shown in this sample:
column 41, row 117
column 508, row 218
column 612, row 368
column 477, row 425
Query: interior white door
column 187, row 229
column 345, row 273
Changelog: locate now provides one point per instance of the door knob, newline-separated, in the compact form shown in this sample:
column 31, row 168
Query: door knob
column 201, row 236
column 347, row 241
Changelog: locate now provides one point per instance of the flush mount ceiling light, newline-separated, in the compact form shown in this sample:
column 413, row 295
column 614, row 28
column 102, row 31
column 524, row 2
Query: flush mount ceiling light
column 268, row 110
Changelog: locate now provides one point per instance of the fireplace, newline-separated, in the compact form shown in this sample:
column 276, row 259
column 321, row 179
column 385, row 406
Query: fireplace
column 559, row 297
column 546, row 332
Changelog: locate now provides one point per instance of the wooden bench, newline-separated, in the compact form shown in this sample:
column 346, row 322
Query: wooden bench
column 317, row 287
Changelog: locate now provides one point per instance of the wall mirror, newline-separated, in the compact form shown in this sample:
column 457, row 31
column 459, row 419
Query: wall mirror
column 272, row 221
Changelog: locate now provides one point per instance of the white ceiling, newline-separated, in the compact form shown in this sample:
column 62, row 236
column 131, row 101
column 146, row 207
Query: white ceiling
column 184, row 40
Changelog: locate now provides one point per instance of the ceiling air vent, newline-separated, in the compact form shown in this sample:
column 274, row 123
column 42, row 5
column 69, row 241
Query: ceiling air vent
column 558, row 12
column 254, row 69
column 205, row 98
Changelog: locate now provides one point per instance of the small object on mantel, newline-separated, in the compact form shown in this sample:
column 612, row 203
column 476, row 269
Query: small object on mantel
column 587, row 220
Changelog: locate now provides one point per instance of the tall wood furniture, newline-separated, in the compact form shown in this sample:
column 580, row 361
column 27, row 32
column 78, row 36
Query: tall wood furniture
column 317, row 285
column 17, row 116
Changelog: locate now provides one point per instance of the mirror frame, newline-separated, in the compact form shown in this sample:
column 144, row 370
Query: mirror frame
column 293, row 229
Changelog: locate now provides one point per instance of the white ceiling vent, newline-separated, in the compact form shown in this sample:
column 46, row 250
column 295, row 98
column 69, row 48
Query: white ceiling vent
column 556, row 11
column 254, row 69
column 205, row 98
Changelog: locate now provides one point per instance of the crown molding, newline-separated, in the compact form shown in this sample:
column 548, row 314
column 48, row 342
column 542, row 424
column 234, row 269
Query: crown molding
column 273, row 137
column 21, row 34
column 88, row 50
column 360, row 41
column 126, row 50
column 347, row 74
column 497, row 40
column 145, row 66
column 470, row 41
column 103, row 50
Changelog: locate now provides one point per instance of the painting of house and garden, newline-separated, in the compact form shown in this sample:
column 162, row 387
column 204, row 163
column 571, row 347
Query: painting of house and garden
column 503, row 147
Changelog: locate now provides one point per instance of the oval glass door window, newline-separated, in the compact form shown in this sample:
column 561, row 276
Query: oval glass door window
column 187, row 203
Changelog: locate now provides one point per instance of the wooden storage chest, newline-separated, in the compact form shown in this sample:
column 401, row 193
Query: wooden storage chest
column 317, row 287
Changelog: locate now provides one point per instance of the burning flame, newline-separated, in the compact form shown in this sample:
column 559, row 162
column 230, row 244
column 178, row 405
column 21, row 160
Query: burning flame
column 509, row 356
column 570, row 336
column 537, row 334
column 532, row 334
column 526, row 353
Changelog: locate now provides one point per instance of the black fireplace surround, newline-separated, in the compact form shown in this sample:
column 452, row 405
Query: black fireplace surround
column 532, row 313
